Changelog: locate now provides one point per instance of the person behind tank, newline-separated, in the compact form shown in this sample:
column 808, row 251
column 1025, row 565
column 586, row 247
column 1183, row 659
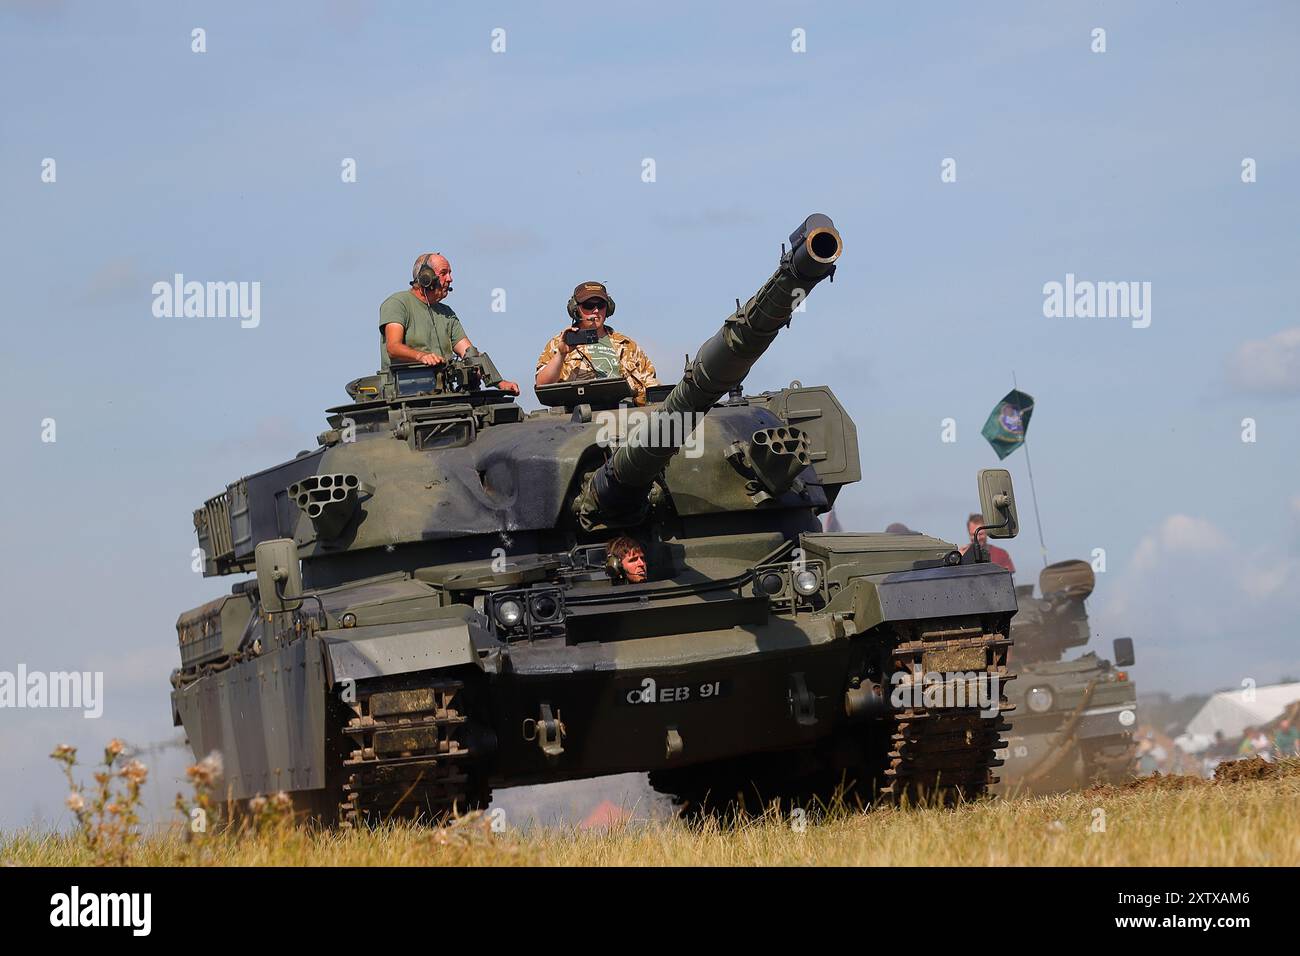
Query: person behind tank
column 995, row 554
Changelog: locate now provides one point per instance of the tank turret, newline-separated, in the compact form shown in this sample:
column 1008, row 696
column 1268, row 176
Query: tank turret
column 615, row 492
column 1049, row 625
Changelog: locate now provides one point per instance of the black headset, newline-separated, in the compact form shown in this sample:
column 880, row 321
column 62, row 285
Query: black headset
column 425, row 277
column 614, row 564
column 572, row 307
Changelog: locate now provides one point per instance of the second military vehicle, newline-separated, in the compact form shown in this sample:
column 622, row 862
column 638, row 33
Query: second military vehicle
column 1073, row 720
column 431, row 616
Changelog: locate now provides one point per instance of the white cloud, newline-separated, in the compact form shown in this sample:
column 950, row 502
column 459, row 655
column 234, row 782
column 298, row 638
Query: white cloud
column 1269, row 365
column 1266, row 579
column 1177, row 536
column 1204, row 607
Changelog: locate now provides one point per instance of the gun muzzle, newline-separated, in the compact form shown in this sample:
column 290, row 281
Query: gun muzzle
column 814, row 247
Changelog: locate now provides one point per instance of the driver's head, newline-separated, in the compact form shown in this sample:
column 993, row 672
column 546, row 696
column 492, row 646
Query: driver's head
column 626, row 560
column 973, row 522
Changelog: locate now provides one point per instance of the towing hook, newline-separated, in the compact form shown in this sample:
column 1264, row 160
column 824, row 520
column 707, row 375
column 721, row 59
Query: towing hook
column 548, row 730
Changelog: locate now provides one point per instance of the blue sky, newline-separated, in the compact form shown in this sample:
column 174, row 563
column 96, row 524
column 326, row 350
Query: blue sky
column 524, row 167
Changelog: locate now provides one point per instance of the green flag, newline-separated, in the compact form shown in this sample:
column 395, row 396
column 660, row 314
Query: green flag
column 1008, row 422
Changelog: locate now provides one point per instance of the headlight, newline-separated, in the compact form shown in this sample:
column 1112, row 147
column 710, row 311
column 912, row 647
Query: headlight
column 771, row 583
column 1039, row 699
column 545, row 609
column 806, row 583
column 509, row 613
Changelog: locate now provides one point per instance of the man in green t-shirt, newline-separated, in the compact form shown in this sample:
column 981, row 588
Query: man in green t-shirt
column 415, row 325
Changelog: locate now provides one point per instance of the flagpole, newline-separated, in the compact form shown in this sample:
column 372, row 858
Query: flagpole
column 1033, row 492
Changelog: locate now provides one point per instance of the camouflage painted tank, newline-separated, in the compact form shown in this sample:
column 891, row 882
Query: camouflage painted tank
column 430, row 616
column 1074, row 719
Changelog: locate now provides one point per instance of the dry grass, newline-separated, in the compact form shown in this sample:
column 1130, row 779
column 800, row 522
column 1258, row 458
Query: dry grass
column 1249, row 823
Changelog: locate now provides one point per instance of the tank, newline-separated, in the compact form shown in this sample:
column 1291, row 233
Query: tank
column 431, row 615
column 1074, row 719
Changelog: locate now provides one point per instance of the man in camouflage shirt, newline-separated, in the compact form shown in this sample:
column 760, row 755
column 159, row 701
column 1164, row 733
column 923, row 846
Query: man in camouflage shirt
column 613, row 355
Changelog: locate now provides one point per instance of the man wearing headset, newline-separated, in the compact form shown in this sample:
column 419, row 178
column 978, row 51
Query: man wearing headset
column 415, row 326
column 625, row 561
column 612, row 355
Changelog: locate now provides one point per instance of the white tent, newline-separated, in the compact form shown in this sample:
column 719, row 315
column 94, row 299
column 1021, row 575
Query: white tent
column 1232, row 711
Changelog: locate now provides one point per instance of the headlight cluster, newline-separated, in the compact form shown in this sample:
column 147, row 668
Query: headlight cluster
column 532, row 613
column 788, row 583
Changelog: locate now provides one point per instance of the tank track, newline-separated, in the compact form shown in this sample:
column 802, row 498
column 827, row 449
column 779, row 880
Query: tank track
column 413, row 753
column 908, row 757
column 945, row 754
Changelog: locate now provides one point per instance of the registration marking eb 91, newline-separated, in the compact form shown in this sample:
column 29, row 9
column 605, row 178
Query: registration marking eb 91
column 649, row 692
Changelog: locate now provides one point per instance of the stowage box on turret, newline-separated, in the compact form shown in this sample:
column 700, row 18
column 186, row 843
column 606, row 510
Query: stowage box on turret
column 431, row 615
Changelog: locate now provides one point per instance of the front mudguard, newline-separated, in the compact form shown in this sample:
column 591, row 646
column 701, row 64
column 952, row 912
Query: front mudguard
column 390, row 650
column 900, row 596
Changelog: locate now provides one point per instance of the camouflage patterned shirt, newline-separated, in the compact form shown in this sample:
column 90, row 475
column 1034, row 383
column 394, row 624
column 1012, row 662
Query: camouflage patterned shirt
column 633, row 363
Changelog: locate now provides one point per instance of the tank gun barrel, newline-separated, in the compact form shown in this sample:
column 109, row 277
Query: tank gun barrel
column 618, row 488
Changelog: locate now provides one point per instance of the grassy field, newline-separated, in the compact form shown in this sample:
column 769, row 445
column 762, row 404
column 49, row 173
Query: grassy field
column 1155, row 822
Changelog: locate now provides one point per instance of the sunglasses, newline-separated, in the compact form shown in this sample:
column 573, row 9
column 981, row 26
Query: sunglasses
column 591, row 305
